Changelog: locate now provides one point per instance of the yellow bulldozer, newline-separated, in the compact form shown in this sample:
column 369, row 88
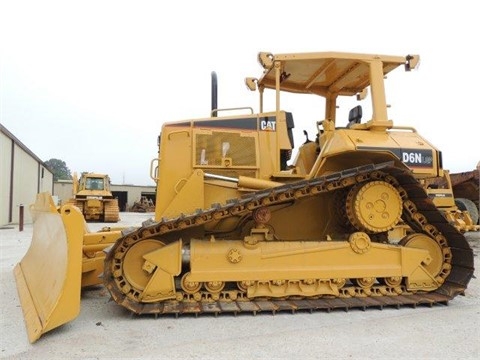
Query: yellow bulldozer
column 92, row 195
column 241, row 225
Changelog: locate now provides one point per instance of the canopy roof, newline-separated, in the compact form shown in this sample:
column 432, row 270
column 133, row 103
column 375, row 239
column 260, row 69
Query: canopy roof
column 324, row 73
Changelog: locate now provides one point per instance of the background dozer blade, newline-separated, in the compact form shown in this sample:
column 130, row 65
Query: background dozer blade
column 49, row 275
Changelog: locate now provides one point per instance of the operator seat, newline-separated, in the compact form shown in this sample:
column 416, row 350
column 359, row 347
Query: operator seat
column 354, row 116
column 286, row 154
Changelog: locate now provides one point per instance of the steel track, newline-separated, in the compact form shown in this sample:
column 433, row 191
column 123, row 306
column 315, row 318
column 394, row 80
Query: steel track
column 419, row 212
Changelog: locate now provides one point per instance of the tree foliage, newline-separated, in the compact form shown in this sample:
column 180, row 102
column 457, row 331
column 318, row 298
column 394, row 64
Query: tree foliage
column 59, row 169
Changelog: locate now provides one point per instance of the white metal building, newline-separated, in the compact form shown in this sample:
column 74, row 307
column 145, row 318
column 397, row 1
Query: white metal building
column 22, row 176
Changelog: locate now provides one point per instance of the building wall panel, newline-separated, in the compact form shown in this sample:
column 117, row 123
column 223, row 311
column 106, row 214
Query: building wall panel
column 22, row 176
column 25, row 180
column 5, row 166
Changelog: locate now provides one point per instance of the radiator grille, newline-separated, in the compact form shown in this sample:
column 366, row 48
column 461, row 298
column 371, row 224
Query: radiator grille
column 210, row 147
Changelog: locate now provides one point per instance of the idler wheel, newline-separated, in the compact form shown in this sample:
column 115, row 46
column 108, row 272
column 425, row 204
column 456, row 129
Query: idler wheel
column 135, row 270
column 422, row 241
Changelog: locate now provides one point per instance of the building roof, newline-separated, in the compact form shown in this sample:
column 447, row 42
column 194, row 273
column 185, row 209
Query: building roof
column 4, row 130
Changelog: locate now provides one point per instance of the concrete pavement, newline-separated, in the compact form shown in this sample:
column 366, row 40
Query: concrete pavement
column 105, row 330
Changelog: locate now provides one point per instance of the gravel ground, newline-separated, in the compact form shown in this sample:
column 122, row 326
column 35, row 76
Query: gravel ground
column 105, row 330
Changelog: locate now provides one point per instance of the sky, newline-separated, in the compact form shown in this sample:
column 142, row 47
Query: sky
column 92, row 82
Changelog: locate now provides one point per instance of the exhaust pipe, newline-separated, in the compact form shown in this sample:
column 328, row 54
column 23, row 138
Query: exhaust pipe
column 214, row 94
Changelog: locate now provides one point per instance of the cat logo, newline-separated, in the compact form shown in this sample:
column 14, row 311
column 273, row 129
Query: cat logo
column 268, row 125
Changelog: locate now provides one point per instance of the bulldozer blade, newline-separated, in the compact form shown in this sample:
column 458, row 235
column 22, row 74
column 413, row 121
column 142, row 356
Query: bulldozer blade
column 49, row 276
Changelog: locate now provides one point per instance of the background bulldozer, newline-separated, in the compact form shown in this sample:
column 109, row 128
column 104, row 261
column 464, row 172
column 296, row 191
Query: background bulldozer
column 92, row 195
column 143, row 205
column 466, row 190
column 241, row 226
column 460, row 209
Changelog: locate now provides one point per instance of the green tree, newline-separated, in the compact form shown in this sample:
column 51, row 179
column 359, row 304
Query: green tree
column 59, row 169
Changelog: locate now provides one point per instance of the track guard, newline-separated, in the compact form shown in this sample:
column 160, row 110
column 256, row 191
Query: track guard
column 166, row 264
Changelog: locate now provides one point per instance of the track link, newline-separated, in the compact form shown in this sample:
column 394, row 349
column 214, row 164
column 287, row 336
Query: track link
column 418, row 211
